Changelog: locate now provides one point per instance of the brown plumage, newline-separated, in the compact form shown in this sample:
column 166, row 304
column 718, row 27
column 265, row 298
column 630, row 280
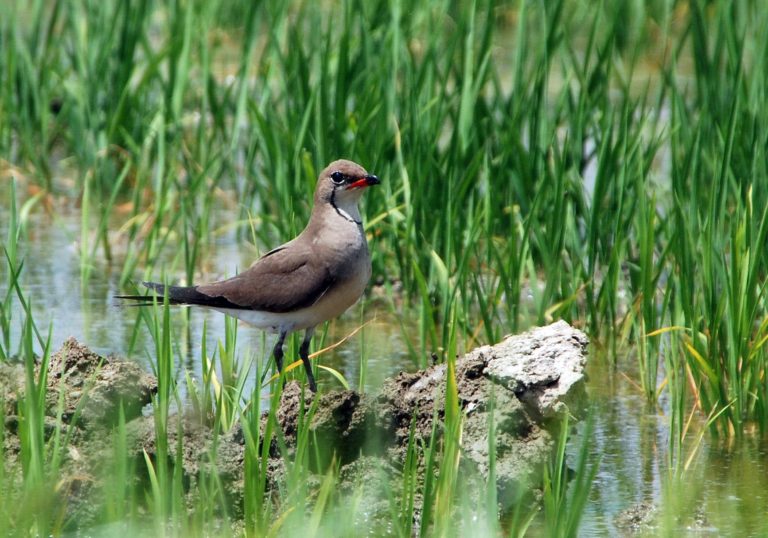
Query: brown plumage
column 306, row 281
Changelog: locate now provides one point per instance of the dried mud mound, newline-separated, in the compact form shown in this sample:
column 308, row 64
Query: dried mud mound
column 97, row 385
column 87, row 391
column 86, row 388
column 520, row 384
column 91, row 387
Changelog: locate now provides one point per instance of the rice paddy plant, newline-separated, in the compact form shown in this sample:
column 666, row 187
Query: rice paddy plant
column 119, row 497
column 564, row 499
column 15, row 299
column 32, row 432
column 218, row 400
column 257, row 508
column 310, row 109
column 165, row 499
column 405, row 503
column 719, row 220
column 13, row 269
column 530, row 174
column 217, row 405
column 27, row 485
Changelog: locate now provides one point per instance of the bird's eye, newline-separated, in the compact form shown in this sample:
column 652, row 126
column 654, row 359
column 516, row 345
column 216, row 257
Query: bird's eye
column 337, row 177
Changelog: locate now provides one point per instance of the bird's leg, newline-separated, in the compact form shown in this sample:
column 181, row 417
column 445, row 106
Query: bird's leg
column 278, row 351
column 304, row 354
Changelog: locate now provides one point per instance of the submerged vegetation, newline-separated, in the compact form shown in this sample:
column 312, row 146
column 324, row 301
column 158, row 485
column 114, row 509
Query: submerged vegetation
column 602, row 163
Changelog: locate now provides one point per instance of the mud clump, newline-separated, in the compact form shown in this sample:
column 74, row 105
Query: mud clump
column 523, row 385
column 519, row 386
column 87, row 392
column 97, row 385
column 342, row 424
column 90, row 388
column 638, row 518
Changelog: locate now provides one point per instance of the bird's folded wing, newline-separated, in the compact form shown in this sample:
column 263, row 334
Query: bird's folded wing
column 283, row 280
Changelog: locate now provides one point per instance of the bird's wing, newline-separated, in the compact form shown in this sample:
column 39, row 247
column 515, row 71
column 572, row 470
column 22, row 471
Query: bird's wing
column 285, row 279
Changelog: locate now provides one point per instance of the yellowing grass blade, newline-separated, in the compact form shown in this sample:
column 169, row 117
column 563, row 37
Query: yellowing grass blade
column 295, row 364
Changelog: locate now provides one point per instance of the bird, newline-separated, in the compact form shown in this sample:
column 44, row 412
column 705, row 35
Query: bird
column 297, row 286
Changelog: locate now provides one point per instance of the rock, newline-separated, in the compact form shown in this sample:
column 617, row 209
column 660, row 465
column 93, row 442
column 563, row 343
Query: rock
column 544, row 366
column 520, row 383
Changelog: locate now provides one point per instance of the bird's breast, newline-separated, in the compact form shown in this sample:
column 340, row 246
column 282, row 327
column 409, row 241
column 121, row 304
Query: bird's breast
column 350, row 271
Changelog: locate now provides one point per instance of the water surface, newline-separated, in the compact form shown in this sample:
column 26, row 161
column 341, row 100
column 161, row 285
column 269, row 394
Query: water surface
column 725, row 493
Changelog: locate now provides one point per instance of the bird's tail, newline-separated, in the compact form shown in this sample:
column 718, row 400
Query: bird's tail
column 175, row 295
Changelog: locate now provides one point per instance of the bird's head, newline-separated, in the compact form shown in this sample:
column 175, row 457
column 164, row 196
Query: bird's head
column 342, row 183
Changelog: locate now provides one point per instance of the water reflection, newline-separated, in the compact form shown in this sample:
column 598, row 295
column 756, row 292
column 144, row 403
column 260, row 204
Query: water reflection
column 723, row 493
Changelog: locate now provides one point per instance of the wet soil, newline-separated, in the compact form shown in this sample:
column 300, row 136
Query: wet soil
column 85, row 395
column 519, row 386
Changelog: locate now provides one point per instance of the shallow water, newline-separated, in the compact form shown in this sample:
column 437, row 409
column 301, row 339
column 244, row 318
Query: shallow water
column 51, row 280
column 725, row 493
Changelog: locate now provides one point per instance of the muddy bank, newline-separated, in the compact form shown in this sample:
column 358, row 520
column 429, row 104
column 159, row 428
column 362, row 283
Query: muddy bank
column 522, row 385
column 85, row 395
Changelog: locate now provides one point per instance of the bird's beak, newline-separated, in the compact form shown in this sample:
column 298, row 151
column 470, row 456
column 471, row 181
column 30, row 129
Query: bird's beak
column 363, row 182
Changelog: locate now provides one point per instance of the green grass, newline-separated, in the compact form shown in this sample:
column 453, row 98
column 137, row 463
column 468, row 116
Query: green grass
column 486, row 121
